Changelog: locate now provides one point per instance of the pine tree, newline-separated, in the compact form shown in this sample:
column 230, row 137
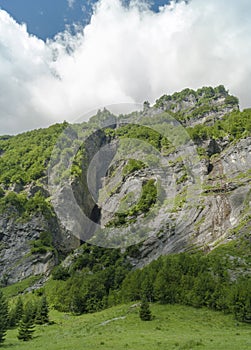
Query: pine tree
column 3, row 317
column 42, row 314
column 12, row 318
column 26, row 327
column 147, row 288
column 145, row 312
column 16, row 313
column 19, row 309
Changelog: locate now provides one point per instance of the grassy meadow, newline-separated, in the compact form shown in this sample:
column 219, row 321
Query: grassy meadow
column 173, row 327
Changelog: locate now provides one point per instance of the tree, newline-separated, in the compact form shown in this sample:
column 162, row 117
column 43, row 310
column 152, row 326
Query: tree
column 241, row 300
column 26, row 327
column 16, row 313
column 146, row 105
column 145, row 312
column 147, row 287
column 42, row 314
column 3, row 317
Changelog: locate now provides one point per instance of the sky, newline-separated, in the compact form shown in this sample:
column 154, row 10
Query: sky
column 46, row 18
column 61, row 59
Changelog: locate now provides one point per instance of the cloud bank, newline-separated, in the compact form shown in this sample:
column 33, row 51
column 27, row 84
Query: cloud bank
column 125, row 54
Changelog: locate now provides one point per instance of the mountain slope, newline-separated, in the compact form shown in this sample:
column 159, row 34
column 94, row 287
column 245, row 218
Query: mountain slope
column 173, row 177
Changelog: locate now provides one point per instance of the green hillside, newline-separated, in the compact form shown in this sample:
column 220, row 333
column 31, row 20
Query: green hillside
column 173, row 327
column 194, row 268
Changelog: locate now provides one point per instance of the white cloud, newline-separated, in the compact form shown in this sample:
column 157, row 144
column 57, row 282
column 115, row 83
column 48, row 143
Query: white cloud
column 71, row 3
column 123, row 55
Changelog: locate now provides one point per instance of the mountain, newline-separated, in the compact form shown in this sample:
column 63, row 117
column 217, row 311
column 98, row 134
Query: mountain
column 174, row 177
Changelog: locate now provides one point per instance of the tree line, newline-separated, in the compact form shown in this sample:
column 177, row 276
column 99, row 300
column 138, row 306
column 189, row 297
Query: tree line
column 100, row 278
column 195, row 280
column 22, row 316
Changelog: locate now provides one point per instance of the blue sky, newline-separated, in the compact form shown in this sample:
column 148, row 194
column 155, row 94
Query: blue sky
column 119, row 55
column 45, row 18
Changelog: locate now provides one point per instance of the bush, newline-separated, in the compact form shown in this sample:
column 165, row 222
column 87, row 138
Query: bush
column 145, row 312
column 132, row 166
column 231, row 100
column 43, row 244
column 60, row 273
column 147, row 200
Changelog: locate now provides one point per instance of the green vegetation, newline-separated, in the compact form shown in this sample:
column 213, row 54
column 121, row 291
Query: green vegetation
column 193, row 286
column 155, row 135
column 43, row 244
column 24, row 157
column 145, row 312
column 19, row 205
column 3, row 317
column 194, row 279
column 231, row 100
column 16, row 313
column 42, row 312
column 190, row 104
column 183, row 177
column 147, row 200
column 140, row 132
column 176, row 97
column 20, row 287
column 91, row 282
column 179, row 201
column 173, row 327
column 26, row 327
column 23, row 318
column 236, row 125
column 60, row 273
column 98, row 278
column 132, row 166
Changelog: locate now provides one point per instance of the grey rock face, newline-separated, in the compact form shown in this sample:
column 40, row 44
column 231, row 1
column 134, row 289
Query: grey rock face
column 16, row 260
column 16, row 237
column 202, row 219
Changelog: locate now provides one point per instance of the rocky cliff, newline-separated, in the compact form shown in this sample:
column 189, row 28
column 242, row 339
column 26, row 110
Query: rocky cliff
column 172, row 177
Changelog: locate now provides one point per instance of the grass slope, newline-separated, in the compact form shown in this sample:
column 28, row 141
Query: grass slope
column 173, row 327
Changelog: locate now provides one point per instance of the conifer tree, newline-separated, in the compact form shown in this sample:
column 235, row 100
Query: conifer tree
column 12, row 318
column 3, row 317
column 16, row 313
column 26, row 327
column 42, row 314
column 145, row 312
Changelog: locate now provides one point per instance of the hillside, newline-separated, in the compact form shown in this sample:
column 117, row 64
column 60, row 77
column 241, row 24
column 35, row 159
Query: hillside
column 173, row 177
column 153, row 205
